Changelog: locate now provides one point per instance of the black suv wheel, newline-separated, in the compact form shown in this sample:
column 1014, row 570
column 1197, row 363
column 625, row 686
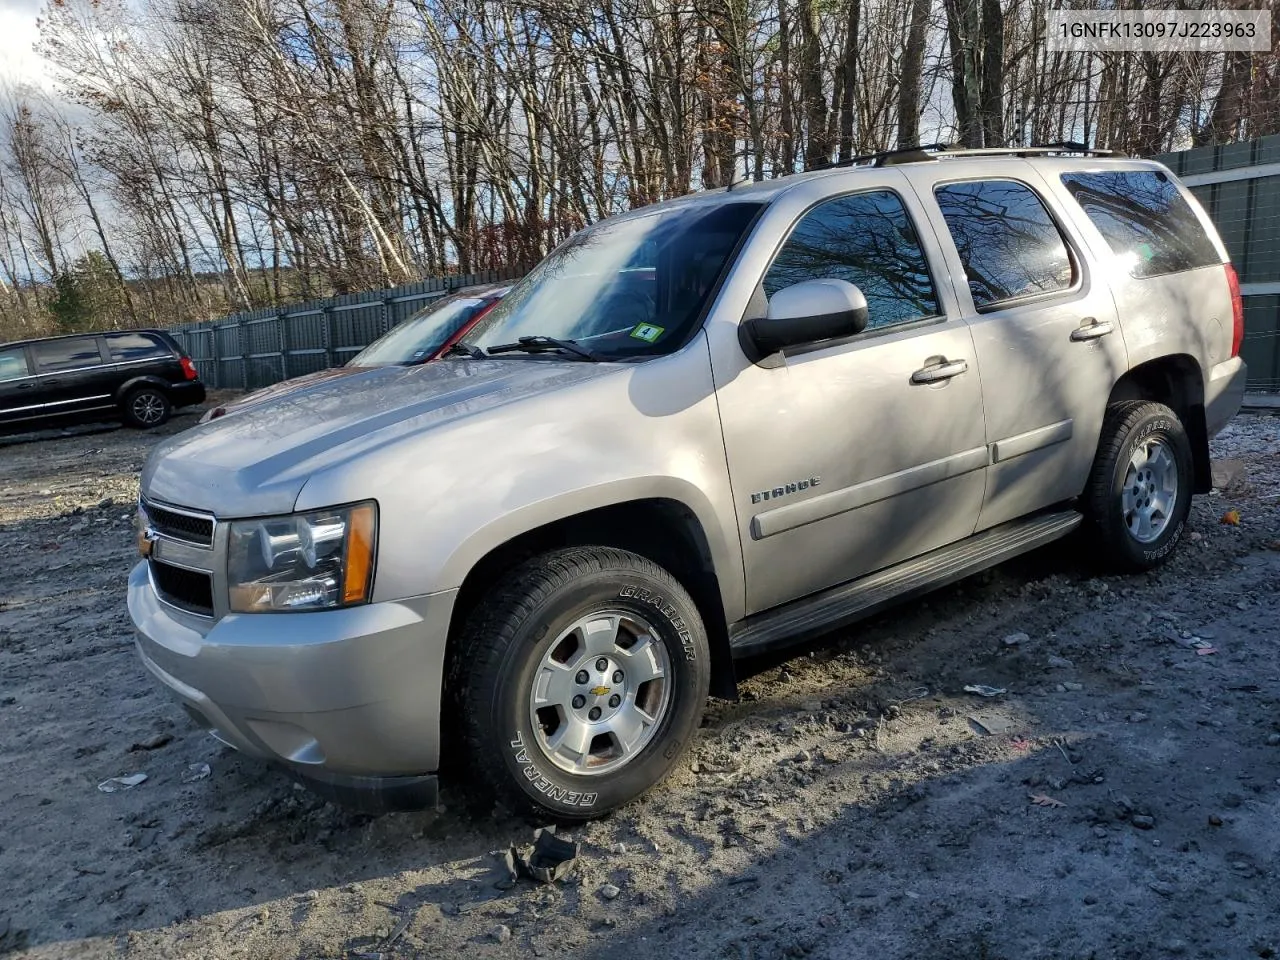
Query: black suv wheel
column 146, row 407
column 580, row 681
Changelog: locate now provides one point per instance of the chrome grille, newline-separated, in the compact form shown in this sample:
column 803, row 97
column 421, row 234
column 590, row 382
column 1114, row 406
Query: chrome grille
column 178, row 525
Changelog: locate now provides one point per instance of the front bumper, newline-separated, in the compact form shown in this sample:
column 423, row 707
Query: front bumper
column 1223, row 393
column 347, row 699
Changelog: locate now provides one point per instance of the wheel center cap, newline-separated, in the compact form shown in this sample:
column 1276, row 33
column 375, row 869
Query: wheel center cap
column 600, row 698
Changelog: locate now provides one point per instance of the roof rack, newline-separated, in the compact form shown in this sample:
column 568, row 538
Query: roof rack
column 934, row 151
column 879, row 159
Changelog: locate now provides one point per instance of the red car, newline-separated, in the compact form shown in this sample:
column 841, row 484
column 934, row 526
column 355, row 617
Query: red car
column 425, row 336
column 430, row 332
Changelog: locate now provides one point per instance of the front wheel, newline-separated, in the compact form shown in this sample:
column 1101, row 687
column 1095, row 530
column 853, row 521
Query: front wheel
column 580, row 681
column 1140, row 489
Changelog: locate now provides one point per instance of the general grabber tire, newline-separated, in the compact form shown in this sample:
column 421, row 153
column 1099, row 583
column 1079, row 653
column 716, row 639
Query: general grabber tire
column 579, row 681
column 1140, row 488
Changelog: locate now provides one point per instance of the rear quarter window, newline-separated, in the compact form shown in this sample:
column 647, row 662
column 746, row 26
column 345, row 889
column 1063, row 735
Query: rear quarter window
column 136, row 346
column 1144, row 219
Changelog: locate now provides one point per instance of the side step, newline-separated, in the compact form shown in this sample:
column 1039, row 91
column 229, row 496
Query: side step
column 849, row 602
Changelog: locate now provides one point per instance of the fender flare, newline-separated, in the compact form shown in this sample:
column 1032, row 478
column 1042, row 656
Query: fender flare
column 725, row 553
column 133, row 383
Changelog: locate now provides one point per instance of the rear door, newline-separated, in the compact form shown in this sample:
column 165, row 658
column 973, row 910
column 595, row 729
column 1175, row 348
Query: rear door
column 74, row 375
column 19, row 390
column 1045, row 331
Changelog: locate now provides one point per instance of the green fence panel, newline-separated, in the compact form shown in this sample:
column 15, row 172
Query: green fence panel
column 258, row 348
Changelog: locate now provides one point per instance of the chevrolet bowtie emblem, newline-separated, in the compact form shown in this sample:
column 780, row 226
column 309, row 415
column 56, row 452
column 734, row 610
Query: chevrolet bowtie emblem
column 599, row 691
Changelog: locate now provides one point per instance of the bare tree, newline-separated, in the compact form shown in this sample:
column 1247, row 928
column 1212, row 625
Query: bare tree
column 224, row 154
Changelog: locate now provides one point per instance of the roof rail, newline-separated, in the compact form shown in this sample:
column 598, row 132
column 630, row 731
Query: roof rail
column 879, row 159
column 934, row 151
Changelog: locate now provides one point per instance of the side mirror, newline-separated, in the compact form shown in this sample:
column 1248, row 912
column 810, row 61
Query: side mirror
column 806, row 312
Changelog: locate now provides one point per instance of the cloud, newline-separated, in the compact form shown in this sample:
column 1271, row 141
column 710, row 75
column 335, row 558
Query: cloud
column 18, row 34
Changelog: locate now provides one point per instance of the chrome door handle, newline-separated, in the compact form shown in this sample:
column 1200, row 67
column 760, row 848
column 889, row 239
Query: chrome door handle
column 1091, row 330
column 940, row 371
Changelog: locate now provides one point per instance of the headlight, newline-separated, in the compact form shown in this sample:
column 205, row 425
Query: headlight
column 305, row 561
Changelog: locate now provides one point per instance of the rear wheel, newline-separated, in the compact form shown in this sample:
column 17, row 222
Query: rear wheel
column 146, row 407
column 1139, row 492
column 580, row 681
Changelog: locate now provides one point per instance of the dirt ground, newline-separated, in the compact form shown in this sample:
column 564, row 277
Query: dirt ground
column 856, row 803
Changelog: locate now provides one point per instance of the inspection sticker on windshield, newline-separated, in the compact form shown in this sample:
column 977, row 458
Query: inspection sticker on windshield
column 647, row 332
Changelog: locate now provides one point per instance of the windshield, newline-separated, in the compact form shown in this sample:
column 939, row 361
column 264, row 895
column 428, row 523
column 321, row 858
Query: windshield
column 419, row 337
column 626, row 288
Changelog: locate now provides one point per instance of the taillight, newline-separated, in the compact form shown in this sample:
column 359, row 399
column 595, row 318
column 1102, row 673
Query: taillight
column 189, row 369
column 1237, row 311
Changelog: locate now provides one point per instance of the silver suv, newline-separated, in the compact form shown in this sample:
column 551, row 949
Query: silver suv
column 695, row 433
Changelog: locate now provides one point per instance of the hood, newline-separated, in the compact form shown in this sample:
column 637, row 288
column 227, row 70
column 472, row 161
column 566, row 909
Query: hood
column 280, row 389
column 256, row 462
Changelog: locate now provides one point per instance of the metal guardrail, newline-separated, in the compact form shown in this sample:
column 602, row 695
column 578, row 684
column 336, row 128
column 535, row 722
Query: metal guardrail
column 261, row 347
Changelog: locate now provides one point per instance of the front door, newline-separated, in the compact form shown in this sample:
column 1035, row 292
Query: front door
column 848, row 456
column 1045, row 329
column 19, row 390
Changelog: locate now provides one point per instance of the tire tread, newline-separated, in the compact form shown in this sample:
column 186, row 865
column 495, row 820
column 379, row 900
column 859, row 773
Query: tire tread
column 1121, row 419
column 490, row 632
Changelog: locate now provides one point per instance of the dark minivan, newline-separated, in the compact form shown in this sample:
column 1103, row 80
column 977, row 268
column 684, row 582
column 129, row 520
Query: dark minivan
column 138, row 376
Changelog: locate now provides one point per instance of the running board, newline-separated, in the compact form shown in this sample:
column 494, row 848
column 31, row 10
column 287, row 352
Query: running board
column 849, row 602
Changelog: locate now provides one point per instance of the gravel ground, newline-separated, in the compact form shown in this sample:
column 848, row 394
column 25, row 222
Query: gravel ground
column 855, row 803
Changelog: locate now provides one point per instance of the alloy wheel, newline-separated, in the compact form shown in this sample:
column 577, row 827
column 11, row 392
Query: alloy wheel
column 600, row 693
column 148, row 408
column 1150, row 490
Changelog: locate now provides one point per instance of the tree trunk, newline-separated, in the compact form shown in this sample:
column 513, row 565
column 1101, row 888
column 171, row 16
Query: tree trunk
column 909, row 82
column 849, row 67
column 817, row 150
column 786, row 98
column 962, row 32
column 1228, row 106
column 992, row 90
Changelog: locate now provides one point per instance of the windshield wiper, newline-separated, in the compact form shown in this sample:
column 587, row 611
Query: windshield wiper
column 465, row 349
column 545, row 345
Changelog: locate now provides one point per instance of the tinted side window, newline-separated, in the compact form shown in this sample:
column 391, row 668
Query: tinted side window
column 869, row 240
column 1144, row 219
column 66, row 354
column 135, row 346
column 1008, row 243
column 13, row 363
